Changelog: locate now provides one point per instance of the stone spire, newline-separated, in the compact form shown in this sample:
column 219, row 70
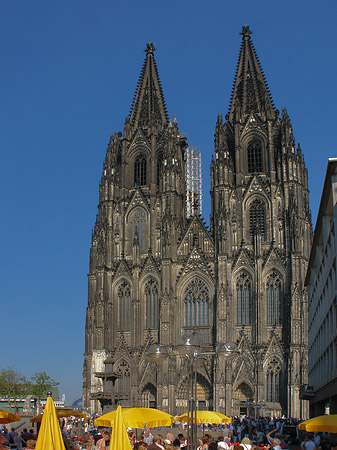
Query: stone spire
column 148, row 106
column 250, row 91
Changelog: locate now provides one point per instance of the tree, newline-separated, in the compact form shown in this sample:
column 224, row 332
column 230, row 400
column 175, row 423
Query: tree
column 13, row 385
column 42, row 383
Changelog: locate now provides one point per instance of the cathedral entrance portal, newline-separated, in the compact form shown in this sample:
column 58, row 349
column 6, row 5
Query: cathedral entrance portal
column 242, row 393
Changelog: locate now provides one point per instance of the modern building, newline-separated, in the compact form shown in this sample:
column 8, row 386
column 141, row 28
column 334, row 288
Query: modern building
column 156, row 273
column 321, row 285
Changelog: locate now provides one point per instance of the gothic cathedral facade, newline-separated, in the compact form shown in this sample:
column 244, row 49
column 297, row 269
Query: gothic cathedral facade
column 157, row 273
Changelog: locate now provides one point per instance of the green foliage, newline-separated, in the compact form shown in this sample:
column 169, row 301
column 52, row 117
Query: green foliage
column 42, row 383
column 13, row 385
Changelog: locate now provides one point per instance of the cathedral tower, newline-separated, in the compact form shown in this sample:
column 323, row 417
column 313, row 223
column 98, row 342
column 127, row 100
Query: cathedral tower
column 156, row 271
column 262, row 226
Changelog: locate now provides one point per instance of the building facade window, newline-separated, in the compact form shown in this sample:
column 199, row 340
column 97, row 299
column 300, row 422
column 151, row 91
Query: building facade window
column 159, row 168
column 274, row 289
column 139, row 229
column 257, row 219
column 273, row 374
column 254, row 154
column 152, row 304
column 123, row 384
column 196, row 303
column 140, row 170
column 244, row 300
column 124, row 303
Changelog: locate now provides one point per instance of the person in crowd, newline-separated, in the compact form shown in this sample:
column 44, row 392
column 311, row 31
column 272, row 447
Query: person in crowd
column 213, row 445
column 156, row 444
column 3, row 442
column 308, row 443
column 102, row 443
column 148, row 437
column 91, row 439
column 140, row 443
column 277, row 444
column 31, row 444
column 246, row 443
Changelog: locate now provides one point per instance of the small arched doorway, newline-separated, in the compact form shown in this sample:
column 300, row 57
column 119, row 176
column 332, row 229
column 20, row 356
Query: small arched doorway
column 149, row 396
column 242, row 393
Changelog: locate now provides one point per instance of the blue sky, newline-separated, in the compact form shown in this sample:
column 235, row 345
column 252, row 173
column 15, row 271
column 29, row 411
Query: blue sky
column 69, row 70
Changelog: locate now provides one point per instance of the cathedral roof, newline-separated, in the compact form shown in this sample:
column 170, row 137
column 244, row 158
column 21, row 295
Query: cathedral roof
column 148, row 106
column 250, row 91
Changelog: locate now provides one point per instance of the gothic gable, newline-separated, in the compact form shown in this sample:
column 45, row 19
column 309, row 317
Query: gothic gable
column 123, row 270
column 196, row 231
column 243, row 260
column 195, row 263
column 121, row 350
column 150, row 267
column 137, row 199
column 254, row 126
column 138, row 141
column 255, row 187
column 273, row 260
column 274, row 348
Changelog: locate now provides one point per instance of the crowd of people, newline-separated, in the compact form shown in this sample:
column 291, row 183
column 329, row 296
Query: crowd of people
column 244, row 433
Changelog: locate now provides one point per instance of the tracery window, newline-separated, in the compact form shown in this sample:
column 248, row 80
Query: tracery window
column 273, row 374
column 159, row 167
column 140, row 170
column 124, row 302
column 196, row 303
column 257, row 218
column 122, row 384
column 274, row 299
column 254, row 154
column 244, row 300
column 139, row 229
column 152, row 304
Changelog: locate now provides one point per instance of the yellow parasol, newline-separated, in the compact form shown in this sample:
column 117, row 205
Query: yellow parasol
column 7, row 417
column 206, row 417
column 61, row 412
column 50, row 437
column 137, row 417
column 119, row 436
column 327, row 423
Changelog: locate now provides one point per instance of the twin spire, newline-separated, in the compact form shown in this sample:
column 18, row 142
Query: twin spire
column 148, row 108
column 250, row 91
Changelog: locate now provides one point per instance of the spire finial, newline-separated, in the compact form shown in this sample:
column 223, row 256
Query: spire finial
column 246, row 31
column 150, row 48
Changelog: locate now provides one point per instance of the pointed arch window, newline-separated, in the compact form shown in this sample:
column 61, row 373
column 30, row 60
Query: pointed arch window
column 196, row 303
column 273, row 375
column 257, row 218
column 152, row 304
column 160, row 160
column 254, row 154
column 122, row 385
column 274, row 287
column 124, row 303
column 140, row 170
column 139, row 229
column 244, row 300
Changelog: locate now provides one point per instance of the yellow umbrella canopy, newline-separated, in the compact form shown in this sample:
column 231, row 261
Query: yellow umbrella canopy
column 137, row 417
column 50, row 437
column 206, row 417
column 7, row 417
column 61, row 412
column 119, row 437
column 327, row 423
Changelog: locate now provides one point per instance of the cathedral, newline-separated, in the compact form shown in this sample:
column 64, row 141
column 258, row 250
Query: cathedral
column 158, row 272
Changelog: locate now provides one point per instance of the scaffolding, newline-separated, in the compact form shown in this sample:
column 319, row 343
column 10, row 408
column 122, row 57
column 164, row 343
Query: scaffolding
column 193, row 178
